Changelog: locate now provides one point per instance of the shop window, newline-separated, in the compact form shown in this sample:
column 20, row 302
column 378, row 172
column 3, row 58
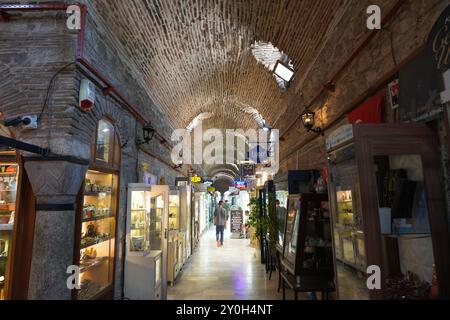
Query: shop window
column 105, row 142
column 97, row 217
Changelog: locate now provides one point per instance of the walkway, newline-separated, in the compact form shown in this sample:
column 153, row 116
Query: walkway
column 231, row 272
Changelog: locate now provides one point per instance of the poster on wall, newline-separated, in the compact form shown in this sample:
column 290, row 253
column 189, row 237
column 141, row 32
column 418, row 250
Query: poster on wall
column 421, row 80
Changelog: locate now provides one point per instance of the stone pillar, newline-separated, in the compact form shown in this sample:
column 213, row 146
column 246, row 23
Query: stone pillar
column 56, row 185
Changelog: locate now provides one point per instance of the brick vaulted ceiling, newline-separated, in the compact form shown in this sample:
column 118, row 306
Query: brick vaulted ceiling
column 195, row 55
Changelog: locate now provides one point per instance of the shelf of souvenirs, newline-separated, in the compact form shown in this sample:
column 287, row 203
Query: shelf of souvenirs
column 90, row 263
column 8, row 174
column 91, row 241
column 91, row 213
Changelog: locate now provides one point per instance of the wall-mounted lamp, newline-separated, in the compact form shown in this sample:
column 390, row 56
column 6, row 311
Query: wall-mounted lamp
column 309, row 119
column 148, row 132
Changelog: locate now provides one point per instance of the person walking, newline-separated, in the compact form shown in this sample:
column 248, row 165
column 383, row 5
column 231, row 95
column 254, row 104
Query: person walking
column 220, row 221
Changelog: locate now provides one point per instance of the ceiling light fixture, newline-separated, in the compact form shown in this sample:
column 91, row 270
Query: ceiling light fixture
column 283, row 71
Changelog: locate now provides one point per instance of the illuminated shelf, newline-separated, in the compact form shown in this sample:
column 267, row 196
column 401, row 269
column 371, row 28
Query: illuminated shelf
column 95, row 242
column 96, row 194
column 97, row 218
column 97, row 263
column 6, row 227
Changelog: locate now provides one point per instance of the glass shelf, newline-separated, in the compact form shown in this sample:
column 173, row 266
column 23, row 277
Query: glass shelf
column 97, row 218
column 95, row 242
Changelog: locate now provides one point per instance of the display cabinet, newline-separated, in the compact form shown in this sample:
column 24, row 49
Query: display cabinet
column 9, row 175
column 387, row 210
column 98, row 229
column 308, row 245
column 185, row 222
column 173, row 266
column 143, row 263
column 96, row 216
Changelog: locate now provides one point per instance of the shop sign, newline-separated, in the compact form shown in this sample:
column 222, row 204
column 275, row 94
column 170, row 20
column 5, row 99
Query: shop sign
column 211, row 190
column 241, row 185
column 420, row 81
column 196, row 179
column 208, row 182
column 248, row 170
column 258, row 154
column 339, row 136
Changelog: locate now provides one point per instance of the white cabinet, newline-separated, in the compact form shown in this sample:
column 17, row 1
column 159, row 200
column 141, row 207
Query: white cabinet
column 146, row 243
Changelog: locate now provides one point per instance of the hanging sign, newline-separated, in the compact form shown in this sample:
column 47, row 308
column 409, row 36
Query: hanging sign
column 258, row 154
column 339, row 136
column 211, row 190
column 241, row 185
column 196, row 179
column 248, row 170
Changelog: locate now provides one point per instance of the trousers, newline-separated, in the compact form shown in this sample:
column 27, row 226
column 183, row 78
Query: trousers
column 219, row 233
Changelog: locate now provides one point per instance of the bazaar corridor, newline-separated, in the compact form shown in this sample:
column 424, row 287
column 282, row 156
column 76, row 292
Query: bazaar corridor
column 316, row 131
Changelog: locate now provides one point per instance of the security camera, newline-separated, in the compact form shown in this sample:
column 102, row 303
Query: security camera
column 27, row 122
column 30, row 122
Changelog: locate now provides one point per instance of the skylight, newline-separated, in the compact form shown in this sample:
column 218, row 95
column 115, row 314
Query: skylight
column 270, row 56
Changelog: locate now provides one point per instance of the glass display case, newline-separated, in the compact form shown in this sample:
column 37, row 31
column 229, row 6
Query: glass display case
column 174, row 211
column 173, row 266
column 139, row 219
column 9, row 174
column 145, row 254
column 292, row 225
column 308, row 249
column 381, row 180
column 281, row 196
column 98, row 229
column 156, row 222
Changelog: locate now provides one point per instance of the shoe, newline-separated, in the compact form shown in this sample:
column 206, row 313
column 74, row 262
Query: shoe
column 218, row 244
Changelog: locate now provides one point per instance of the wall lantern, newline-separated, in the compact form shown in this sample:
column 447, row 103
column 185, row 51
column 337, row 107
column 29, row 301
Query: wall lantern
column 148, row 132
column 283, row 71
column 309, row 119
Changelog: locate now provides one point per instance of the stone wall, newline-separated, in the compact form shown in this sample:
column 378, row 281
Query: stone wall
column 33, row 47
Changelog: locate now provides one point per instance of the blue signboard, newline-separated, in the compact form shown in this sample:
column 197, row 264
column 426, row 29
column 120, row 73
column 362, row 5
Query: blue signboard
column 241, row 185
column 258, row 154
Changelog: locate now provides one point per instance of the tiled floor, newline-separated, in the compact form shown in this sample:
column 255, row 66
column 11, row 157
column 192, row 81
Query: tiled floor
column 231, row 272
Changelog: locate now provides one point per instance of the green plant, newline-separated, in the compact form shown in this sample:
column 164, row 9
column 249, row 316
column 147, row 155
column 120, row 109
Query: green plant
column 266, row 225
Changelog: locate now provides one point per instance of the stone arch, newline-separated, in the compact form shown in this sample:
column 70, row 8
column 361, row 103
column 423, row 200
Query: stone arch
column 106, row 108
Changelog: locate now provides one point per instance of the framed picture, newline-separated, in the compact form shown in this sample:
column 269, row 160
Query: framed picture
column 394, row 89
